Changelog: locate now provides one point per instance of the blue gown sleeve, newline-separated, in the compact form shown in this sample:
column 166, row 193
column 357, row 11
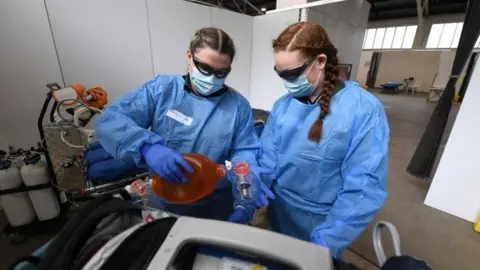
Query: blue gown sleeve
column 246, row 144
column 124, row 126
column 364, row 171
column 268, row 156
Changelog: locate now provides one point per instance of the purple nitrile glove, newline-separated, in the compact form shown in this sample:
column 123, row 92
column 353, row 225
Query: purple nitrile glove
column 166, row 162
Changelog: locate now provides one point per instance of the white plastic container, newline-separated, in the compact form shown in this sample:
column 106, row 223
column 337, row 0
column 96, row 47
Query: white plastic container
column 17, row 206
column 45, row 203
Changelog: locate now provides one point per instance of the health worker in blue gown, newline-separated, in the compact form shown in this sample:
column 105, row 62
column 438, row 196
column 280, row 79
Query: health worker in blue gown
column 194, row 113
column 327, row 140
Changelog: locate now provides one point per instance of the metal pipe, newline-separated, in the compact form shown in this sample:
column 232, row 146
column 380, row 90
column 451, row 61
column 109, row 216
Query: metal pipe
column 254, row 7
column 205, row 3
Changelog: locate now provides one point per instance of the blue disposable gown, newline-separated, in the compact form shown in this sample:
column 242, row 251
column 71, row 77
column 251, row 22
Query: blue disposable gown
column 162, row 112
column 327, row 192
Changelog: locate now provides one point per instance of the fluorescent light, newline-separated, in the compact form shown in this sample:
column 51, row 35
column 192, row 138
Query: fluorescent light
column 263, row 9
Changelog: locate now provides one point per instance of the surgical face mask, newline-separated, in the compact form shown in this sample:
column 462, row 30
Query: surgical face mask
column 300, row 87
column 205, row 85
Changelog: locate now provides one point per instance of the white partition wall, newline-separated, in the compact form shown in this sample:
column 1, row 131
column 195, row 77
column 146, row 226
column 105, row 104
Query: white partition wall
column 102, row 43
column 456, row 185
column 239, row 27
column 27, row 63
column 345, row 23
column 265, row 86
column 173, row 24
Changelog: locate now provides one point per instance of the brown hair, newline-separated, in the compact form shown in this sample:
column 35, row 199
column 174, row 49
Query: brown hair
column 214, row 38
column 312, row 40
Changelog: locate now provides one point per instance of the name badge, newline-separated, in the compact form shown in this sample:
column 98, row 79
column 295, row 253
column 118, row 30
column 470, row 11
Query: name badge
column 180, row 117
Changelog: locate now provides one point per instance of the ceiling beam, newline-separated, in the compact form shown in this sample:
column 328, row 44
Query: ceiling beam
column 425, row 7
column 253, row 7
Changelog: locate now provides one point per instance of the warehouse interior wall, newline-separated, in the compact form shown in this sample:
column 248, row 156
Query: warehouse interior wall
column 363, row 67
column 345, row 23
column 454, row 188
column 28, row 62
column 266, row 87
column 444, row 69
column 115, row 44
column 115, row 54
column 345, row 30
column 398, row 65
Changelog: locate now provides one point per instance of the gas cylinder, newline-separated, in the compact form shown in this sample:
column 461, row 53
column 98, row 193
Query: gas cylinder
column 41, row 151
column 16, row 156
column 17, row 206
column 200, row 183
column 35, row 172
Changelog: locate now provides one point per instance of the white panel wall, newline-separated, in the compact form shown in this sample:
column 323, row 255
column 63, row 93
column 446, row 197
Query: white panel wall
column 265, row 86
column 170, row 42
column 239, row 27
column 289, row 3
column 27, row 63
column 102, row 43
column 444, row 69
column 363, row 67
column 172, row 25
column 455, row 186
column 345, row 23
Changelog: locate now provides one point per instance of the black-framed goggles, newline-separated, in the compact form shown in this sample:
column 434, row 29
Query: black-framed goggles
column 293, row 73
column 207, row 70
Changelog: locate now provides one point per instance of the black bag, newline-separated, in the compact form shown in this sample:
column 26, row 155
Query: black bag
column 86, row 232
column 405, row 263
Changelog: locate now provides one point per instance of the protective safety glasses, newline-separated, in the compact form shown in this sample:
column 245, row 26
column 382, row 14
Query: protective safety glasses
column 293, row 73
column 207, row 70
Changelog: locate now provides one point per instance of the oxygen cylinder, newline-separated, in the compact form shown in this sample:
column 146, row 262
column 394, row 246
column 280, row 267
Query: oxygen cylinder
column 35, row 172
column 17, row 206
column 16, row 156
column 41, row 151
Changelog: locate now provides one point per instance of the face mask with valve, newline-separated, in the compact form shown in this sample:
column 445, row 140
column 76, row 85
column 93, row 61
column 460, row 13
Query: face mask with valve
column 245, row 189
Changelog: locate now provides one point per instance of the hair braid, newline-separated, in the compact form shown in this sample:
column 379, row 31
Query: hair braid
column 312, row 40
column 329, row 86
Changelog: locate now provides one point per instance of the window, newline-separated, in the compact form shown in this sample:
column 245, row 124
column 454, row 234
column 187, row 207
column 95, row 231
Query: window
column 400, row 37
column 446, row 36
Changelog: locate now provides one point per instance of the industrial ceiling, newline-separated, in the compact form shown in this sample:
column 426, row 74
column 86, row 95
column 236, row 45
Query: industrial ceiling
column 380, row 9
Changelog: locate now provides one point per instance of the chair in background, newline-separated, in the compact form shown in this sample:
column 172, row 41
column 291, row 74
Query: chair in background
column 412, row 85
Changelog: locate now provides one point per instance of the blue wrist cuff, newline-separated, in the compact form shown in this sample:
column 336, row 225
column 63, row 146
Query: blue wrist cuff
column 145, row 148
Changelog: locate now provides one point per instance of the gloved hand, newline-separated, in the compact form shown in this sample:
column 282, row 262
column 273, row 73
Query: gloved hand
column 241, row 215
column 256, row 172
column 166, row 163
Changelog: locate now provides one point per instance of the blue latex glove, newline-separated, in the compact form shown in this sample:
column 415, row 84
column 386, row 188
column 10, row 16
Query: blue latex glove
column 256, row 172
column 241, row 215
column 166, row 163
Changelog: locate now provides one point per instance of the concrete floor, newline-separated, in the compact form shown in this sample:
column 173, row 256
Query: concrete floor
column 442, row 240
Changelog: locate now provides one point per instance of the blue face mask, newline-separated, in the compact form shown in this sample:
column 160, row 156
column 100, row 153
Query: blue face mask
column 205, row 85
column 300, row 87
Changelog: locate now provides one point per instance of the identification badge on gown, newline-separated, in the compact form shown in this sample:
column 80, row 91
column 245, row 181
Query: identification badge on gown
column 179, row 117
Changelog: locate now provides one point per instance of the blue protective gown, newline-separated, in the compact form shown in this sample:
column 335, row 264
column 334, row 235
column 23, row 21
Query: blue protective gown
column 327, row 192
column 163, row 112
